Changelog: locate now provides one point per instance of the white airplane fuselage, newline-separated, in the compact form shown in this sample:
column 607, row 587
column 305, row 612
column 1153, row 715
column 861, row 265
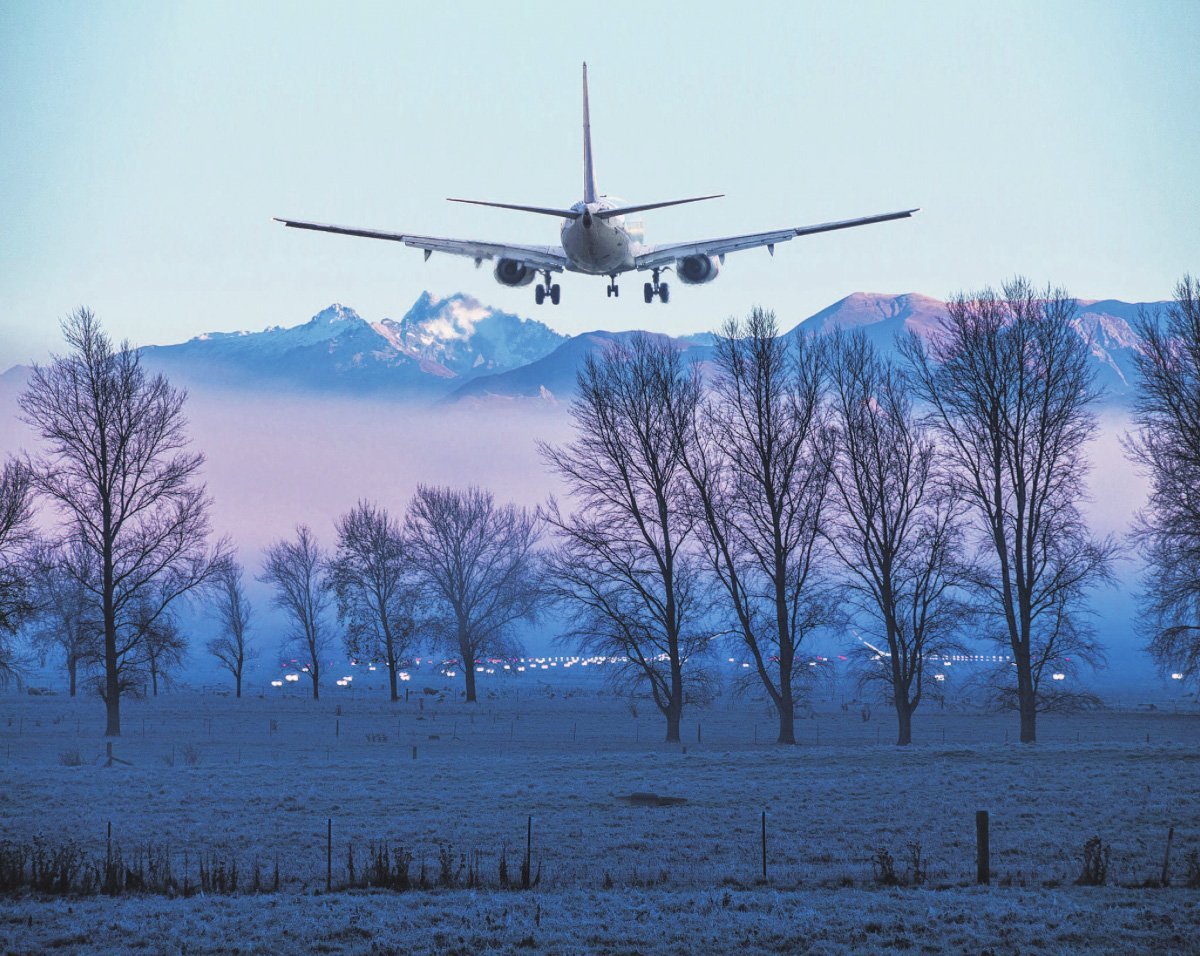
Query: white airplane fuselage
column 597, row 246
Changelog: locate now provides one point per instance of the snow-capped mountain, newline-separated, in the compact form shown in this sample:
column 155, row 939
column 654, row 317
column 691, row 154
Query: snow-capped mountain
column 437, row 344
column 452, row 348
column 460, row 334
column 1105, row 324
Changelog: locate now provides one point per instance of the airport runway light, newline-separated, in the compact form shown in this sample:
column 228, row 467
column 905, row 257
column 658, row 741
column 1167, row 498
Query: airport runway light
column 1176, row 677
column 276, row 683
column 1060, row 676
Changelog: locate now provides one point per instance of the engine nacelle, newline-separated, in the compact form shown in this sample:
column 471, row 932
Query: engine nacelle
column 695, row 270
column 514, row 273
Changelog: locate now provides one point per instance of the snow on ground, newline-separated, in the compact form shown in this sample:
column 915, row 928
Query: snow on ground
column 850, row 922
column 615, row 877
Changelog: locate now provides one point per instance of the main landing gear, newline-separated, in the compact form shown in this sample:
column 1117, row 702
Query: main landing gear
column 548, row 289
column 612, row 287
column 656, row 288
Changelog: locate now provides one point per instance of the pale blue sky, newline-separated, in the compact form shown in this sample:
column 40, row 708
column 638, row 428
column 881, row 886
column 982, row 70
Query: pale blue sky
column 144, row 148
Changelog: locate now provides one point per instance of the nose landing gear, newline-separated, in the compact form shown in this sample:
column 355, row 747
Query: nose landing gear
column 548, row 289
column 656, row 288
column 612, row 287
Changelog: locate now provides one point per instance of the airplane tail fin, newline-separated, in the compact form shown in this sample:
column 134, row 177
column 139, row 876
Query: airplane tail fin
column 589, row 172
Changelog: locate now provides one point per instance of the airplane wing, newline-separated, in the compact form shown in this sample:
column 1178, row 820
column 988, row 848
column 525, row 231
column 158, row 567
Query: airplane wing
column 658, row 256
column 538, row 257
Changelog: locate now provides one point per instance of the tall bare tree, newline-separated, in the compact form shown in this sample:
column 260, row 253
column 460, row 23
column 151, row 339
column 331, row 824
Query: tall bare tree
column 476, row 565
column 625, row 561
column 116, row 463
column 68, row 618
column 1167, row 447
column 1010, row 383
column 297, row 569
column 758, row 455
column 898, row 529
column 377, row 593
column 16, row 600
column 232, row 646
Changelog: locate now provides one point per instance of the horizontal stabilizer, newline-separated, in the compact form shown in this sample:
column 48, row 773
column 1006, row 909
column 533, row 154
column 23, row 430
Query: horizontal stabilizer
column 540, row 210
column 610, row 213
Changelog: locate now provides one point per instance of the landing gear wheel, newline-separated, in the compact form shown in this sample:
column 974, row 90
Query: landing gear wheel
column 608, row 292
column 648, row 293
column 664, row 292
column 539, row 294
column 554, row 293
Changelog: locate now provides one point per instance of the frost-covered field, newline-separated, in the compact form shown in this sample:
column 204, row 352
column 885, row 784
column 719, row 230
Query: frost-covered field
column 615, row 877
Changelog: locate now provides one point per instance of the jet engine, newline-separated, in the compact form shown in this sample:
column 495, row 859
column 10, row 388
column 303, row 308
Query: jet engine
column 695, row 270
column 514, row 273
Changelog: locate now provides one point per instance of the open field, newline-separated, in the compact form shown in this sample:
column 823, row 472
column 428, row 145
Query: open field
column 563, row 751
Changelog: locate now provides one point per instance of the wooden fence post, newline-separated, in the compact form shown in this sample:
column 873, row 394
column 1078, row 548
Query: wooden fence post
column 527, row 869
column 1167, row 856
column 764, row 846
column 983, row 866
column 329, row 854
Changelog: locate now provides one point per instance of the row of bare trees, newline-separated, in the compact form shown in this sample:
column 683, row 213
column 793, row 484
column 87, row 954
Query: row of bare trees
column 792, row 484
column 459, row 570
column 800, row 484
column 133, row 535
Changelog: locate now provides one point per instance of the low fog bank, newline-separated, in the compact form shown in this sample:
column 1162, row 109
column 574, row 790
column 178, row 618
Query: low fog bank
column 278, row 460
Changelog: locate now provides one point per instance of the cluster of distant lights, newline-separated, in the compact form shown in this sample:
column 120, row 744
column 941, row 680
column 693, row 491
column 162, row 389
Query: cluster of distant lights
column 522, row 665
column 451, row 668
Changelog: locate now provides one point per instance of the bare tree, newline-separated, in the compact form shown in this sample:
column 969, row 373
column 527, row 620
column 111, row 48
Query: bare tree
column 758, row 456
column 1167, row 447
column 625, row 562
column 16, row 601
column 303, row 592
column 1010, row 383
column 377, row 593
column 68, row 618
column 117, row 466
column 163, row 647
column 898, row 530
column 232, row 647
column 474, row 561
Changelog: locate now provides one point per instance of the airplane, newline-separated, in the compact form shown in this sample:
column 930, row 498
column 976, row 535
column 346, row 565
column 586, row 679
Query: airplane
column 596, row 240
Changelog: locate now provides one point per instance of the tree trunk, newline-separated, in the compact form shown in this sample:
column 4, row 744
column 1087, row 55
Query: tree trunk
column 787, row 719
column 469, row 666
column 1028, row 706
column 904, row 714
column 154, row 680
column 673, row 719
column 72, row 668
column 1026, row 700
column 238, row 682
column 392, row 680
column 786, row 703
column 316, row 685
column 112, row 683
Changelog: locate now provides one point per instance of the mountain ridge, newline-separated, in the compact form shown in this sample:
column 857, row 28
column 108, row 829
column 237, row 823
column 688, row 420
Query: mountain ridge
column 446, row 349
